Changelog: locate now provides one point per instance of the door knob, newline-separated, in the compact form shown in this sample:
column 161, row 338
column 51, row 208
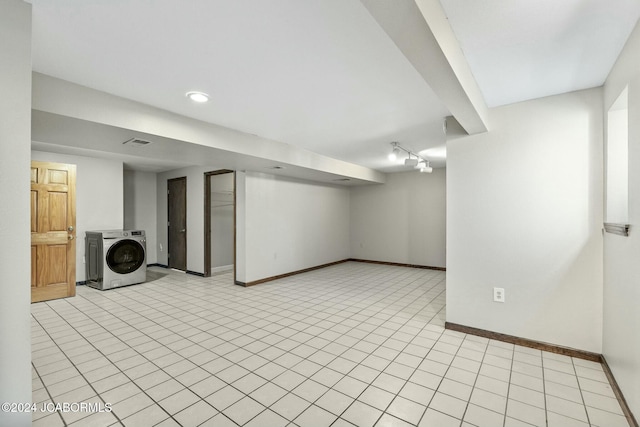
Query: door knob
column 70, row 228
column 70, row 236
column 183, row 230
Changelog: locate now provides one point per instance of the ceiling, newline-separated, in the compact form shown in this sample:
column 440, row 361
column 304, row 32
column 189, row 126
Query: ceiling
column 527, row 49
column 319, row 75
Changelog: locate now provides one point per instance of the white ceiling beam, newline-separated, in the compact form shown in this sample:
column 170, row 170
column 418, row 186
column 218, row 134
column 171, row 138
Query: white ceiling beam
column 72, row 101
column 422, row 32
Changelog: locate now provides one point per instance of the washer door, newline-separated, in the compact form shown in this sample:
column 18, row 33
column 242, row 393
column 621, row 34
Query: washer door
column 125, row 256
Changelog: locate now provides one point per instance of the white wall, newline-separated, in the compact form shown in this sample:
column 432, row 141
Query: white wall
column 524, row 212
column 140, row 207
column 403, row 220
column 15, row 255
column 621, row 340
column 222, row 221
column 99, row 197
column 289, row 225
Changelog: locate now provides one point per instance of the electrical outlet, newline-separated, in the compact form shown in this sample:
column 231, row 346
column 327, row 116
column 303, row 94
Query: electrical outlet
column 498, row 294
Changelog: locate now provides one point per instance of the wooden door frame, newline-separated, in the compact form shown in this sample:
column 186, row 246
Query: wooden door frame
column 181, row 178
column 207, row 220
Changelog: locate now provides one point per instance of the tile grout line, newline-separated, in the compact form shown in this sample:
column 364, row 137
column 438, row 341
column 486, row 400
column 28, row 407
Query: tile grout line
column 580, row 389
column 398, row 298
column 76, row 368
column 475, row 381
column 441, row 379
column 48, row 394
column 360, row 364
column 506, row 406
column 372, row 313
column 117, row 367
column 398, row 393
column 544, row 392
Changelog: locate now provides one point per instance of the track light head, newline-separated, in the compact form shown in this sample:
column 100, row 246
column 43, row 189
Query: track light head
column 393, row 156
column 425, row 168
column 411, row 162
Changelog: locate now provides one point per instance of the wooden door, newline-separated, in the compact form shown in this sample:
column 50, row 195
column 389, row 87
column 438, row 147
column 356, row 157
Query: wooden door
column 53, row 231
column 177, row 226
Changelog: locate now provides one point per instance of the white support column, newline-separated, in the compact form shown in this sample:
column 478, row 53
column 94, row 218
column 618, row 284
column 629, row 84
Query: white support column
column 15, row 266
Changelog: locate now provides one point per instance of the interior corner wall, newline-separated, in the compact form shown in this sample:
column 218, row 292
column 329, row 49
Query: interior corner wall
column 524, row 213
column 621, row 318
column 403, row 220
column 290, row 225
column 99, row 197
column 140, row 207
column 15, row 255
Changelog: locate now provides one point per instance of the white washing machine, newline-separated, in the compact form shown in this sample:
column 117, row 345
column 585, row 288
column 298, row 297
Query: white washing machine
column 115, row 258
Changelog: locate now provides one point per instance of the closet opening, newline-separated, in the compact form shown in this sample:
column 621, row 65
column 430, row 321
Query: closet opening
column 219, row 222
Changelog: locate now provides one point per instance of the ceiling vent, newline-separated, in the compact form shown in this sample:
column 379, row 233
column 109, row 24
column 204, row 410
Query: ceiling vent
column 137, row 142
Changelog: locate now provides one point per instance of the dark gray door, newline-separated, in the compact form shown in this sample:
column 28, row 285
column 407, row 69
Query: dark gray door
column 177, row 227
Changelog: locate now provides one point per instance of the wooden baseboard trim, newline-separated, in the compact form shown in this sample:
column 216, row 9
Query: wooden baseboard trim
column 398, row 264
column 293, row 273
column 580, row 354
column 616, row 390
column 305, row 270
column 538, row 345
column 195, row 273
column 157, row 265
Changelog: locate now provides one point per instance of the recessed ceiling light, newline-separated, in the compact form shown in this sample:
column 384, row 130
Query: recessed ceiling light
column 198, row 96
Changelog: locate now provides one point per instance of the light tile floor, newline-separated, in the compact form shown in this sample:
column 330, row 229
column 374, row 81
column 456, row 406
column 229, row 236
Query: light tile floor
column 350, row 345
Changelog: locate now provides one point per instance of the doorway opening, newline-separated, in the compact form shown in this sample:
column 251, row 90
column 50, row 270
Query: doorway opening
column 617, row 161
column 219, row 222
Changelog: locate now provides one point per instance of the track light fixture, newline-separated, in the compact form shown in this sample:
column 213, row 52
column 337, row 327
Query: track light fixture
column 412, row 160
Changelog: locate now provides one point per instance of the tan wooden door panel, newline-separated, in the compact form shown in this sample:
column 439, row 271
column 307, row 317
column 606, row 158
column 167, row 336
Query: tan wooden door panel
column 53, row 231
